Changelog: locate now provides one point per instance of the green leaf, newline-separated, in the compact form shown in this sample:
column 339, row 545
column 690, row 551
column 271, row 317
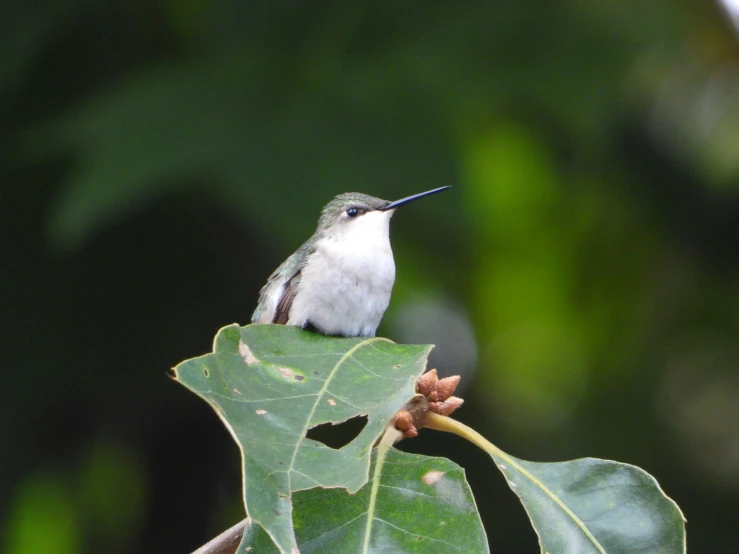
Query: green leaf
column 270, row 384
column 422, row 505
column 595, row 506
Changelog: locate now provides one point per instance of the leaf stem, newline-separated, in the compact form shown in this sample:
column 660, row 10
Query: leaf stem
column 389, row 438
column 449, row 425
column 227, row 542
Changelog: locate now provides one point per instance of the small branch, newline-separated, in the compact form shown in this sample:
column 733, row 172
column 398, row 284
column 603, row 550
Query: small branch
column 449, row 425
column 227, row 542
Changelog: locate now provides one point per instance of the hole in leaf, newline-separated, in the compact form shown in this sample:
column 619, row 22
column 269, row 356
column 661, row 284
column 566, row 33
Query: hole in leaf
column 340, row 434
column 206, row 372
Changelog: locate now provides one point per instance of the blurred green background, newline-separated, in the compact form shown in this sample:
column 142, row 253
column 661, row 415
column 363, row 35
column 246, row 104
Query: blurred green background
column 160, row 159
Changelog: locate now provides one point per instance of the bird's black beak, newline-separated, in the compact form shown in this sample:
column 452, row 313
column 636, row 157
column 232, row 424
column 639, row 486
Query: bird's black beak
column 407, row 199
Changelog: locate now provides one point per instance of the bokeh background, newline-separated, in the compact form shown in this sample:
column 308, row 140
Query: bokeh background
column 159, row 159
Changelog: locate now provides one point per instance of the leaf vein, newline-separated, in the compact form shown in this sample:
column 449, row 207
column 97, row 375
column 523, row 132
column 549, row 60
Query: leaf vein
column 368, row 370
column 408, row 490
column 416, row 534
column 247, row 401
column 333, row 530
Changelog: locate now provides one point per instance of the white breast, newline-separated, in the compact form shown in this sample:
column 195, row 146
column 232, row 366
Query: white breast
column 346, row 284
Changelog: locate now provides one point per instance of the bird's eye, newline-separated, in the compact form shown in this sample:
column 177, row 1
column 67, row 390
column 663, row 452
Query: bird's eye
column 352, row 212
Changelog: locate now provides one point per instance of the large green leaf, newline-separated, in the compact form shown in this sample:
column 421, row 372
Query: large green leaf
column 595, row 506
column 270, row 384
column 421, row 504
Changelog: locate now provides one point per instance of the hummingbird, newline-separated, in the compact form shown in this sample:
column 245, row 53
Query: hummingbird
column 340, row 280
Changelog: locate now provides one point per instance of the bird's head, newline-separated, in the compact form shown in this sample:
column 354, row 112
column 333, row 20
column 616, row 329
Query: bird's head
column 355, row 211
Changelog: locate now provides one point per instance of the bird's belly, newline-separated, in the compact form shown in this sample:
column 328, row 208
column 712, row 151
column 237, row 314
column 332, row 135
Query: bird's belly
column 344, row 296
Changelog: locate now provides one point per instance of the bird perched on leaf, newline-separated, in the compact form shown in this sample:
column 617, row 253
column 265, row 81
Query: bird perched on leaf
column 339, row 282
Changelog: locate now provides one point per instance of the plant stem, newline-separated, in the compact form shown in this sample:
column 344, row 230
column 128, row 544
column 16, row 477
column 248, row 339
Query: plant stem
column 225, row 543
column 390, row 437
column 449, row 425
